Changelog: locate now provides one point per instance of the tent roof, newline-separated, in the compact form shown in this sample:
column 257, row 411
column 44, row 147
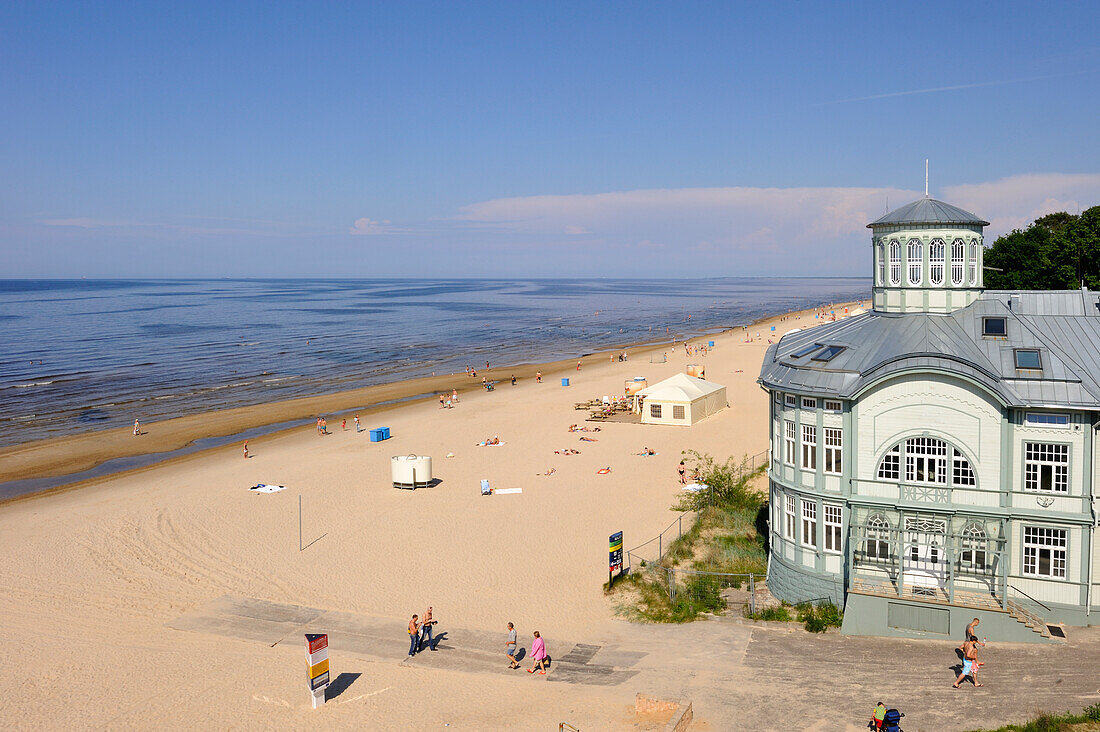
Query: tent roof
column 680, row 388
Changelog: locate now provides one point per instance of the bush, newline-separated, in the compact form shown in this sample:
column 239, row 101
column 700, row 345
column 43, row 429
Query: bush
column 819, row 618
column 1093, row 712
column 778, row 613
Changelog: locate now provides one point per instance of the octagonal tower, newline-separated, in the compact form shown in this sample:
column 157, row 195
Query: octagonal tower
column 927, row 258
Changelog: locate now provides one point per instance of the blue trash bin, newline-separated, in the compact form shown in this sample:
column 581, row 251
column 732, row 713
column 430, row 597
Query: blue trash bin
column 565, row 382
column 710, row 344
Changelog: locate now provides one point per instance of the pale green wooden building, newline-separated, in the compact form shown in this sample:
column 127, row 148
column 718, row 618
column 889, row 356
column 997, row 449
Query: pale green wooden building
column 935, row 459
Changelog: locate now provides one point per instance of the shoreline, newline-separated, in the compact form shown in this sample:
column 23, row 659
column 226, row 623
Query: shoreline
column 55, row 463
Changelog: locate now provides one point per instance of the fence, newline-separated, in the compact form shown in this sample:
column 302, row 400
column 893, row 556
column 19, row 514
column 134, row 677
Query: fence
column 698, row 583
column 749, row 466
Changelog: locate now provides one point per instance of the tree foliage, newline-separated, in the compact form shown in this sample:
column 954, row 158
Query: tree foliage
column 1059, row 251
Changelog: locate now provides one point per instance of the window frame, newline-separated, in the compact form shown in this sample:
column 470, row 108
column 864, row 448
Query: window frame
column 974, row 262
column 895, row 262
column 655, row 411
column 958, row 262
column 833, row 441
column 834, row 529
column 1041, row 460
column 679, row 411
column 881, row 249
column 1038, row 357
column 790, row 400
column 790, row 442
column 809, row 447
column 833, row 405
column 790, row 511
column 809, row 403
column 877, row 533
column 990, row 319
column 914, row 262
column 935, row 261
column 1053, row 425
column 809, row 523
column 1031, row 565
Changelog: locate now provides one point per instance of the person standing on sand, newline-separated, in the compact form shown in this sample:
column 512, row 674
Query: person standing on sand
column 426, row 629
column 344, row 424
column 538, row 377
column 357, row 423
column 454, row 395
column 137, row 428
column 513, row 379
column 578, row 365
column 246, row 449
column 538, row 652
column 969, row 665
column 414, row 635
column 510, row 647
column 682, row 470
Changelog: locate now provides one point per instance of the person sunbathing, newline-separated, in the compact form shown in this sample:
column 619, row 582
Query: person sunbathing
column 573, row 428
column 567, row 451
column 647, row 451
column 589, row 439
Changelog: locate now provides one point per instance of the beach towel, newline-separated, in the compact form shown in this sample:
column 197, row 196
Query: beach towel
column 603, row 471
column 695, row 487
column 490, row 444
column 265, row 488
column 503, row 491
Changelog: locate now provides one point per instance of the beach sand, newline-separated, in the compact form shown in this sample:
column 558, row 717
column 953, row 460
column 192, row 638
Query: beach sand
column 94, row 576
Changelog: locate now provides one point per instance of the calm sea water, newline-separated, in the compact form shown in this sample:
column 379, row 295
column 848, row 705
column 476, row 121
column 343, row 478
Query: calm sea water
column 77, row 355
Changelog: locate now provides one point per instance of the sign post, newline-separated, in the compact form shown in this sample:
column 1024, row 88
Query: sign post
column 614, row 556
column 317, row 666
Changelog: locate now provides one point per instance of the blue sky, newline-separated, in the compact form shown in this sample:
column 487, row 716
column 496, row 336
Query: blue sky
column 526, row 139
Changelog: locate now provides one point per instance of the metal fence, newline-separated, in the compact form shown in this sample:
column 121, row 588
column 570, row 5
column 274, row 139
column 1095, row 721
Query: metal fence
column 699, row 583
column 748, row 466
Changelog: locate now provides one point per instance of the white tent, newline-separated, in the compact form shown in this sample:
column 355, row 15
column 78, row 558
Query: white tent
column 681, row 400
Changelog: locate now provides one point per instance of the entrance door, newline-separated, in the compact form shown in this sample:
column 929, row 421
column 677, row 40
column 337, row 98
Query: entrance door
column 924, row 558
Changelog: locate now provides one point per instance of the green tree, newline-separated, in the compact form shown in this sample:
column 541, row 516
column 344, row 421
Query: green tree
column 1059, row 251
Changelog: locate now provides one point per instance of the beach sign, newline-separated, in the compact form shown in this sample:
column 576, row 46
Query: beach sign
column 614, row 555
column 317, row 666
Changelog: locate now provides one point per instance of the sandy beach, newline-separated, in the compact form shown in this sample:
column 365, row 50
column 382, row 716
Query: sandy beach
column 95, row 576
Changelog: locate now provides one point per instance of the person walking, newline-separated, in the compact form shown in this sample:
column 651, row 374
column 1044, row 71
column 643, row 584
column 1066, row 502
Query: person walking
column 426, row 628
column 972, row 629
column 682, row 470
column 414, row 635
column 878, row 715
column 137, row 428
column 969, row 664
column 510, row 647
column 454, row 395
column 357, row 423
column 538, row 653
column 344, row 424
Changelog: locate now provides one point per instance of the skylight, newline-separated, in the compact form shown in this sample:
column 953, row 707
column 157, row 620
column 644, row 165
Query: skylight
column 828, row 354
column 994, row 327
column 806, row 350
column 1027, row 358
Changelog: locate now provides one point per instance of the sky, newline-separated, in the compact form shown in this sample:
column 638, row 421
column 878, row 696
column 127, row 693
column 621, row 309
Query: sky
column 522, row 139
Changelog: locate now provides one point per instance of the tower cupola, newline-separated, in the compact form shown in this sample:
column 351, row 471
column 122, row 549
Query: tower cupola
column 927, row 258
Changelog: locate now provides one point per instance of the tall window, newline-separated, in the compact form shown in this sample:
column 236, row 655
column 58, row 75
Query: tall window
column 895, row 263
column 935, row 261
column 914, row 258
column 1046, row 467
column 877, row 545
column 1045, row 552
column 974, row 552
column 809, row 523
column 832, row 449
column 958, row 250
column 881, row 249
column 973, row 262
column 792, row 518
column 809, row 447
column 833, row 515
column 655, row 410
column 927, row 460
column 788, row 439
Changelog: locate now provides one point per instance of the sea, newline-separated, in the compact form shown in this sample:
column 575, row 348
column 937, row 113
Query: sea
column 81, row 355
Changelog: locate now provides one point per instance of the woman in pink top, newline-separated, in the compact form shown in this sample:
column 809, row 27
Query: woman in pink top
column 538, row 652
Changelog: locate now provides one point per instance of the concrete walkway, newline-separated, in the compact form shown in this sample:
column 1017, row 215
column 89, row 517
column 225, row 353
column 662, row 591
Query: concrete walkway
column 738, row 677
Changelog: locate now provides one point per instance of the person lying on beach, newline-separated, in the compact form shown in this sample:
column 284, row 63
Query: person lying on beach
column 567, row 451
column 551, row 471
column 573, row 428
column 489, row 441
column 646, row 451
column 589, row 439
column 604, row 471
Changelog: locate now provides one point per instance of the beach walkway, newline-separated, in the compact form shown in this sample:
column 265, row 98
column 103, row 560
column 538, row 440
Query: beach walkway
column 736, row 675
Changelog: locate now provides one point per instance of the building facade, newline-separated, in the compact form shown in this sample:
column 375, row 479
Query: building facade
column 935, row 459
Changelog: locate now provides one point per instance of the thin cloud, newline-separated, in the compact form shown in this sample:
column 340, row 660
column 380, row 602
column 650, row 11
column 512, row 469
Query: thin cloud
column 955, row 87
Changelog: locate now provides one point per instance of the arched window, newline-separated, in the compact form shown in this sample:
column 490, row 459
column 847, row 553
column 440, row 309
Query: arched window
column 926, row 460
column 974, row 554
column 915, row 259
column 895, row 262
column 881, row 250
column 877, row 545
column 935, row 261
column 958, row 250
column 973, row 262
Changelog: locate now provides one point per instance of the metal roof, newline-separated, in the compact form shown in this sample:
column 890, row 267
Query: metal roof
column 1063, row 325
column 927, row 211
